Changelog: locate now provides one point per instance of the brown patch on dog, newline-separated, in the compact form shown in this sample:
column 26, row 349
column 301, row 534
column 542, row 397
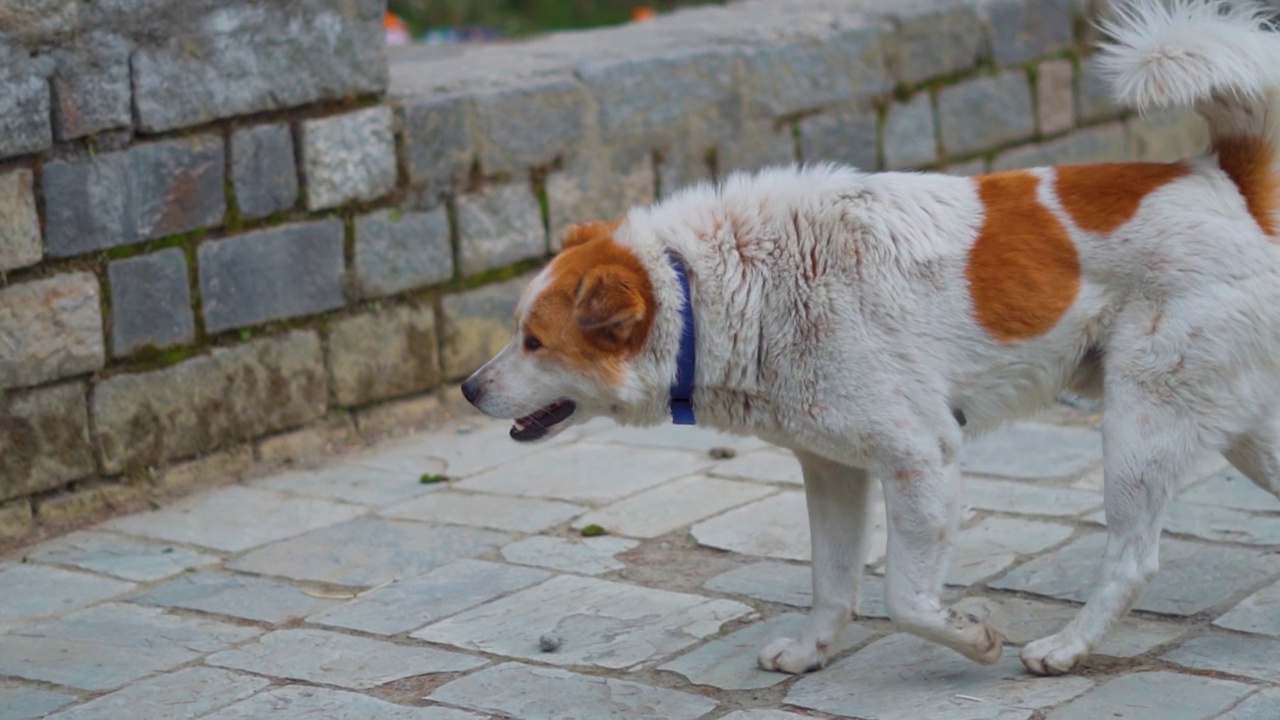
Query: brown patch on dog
column 1250, row 163
column 575, row 235
column 1023, row 271
column 596, row 310
column 1102, row 197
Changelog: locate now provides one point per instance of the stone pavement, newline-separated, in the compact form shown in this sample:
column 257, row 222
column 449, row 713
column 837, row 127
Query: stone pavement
column 453, row 575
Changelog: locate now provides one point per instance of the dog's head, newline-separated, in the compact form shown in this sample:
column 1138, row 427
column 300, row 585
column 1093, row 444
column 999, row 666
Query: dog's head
column 580, row 325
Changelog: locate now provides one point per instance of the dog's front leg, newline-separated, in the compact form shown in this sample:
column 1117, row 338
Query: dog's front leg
column 920, row 498
column 840, row 506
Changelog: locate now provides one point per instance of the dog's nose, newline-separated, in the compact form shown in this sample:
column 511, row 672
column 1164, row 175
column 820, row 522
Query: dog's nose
column 471, row 390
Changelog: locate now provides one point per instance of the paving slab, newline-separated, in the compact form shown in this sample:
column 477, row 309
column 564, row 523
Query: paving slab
column 1243, row 655
column 120, row 556
column 475, row 444
column 538, row 693
column 23, row 702
column 1021, row 620
column 672, row 506
column 1193, row 577
column 1219, row 524
column 1264, row 705
column 186, row 693
column 1230, row 489
column 764, row 714
column 235, row 518
column 33, row 592
column 300, row 702
column 1155, row 696
column 106, row 646
column 587, row 556
column 791, row 585
column 242, row 596
column 902, row 677
column 1259, row 613
column 589, row 473
column 516, row 514
column 368, row 551
column 769, row 466
column 729, row 663
column 602, row 624
column 995, row 544
column 774, row 527
column 1027, row 498
column 417, row 601
column 331, row 658
column 352, row 483
column 1033, row 451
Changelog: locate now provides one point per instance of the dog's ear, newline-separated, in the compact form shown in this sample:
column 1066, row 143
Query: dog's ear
column 609, row 303
column 586, row 232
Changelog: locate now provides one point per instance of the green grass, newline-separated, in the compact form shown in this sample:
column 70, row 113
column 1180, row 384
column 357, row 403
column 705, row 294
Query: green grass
column 523, row 17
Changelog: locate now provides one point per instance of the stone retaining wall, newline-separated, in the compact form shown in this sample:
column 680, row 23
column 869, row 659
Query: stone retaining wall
column 233, row 231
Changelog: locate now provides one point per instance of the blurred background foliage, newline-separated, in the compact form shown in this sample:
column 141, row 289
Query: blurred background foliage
column 523, row 17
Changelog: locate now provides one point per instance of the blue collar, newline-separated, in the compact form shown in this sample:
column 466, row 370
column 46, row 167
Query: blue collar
column 687, row 357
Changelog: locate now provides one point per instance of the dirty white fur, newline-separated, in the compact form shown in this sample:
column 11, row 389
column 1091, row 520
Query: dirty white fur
column 834, row 317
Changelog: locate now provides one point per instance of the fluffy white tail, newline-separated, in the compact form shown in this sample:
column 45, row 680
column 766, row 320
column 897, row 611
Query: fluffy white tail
column 1223, row 60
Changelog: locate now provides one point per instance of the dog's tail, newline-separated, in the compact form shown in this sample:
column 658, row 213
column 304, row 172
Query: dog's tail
column 1223, row 60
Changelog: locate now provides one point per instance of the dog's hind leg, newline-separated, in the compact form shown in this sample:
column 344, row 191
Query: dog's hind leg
column 840, row 522
column 1147, row 444
column 920, row 498
column 1257, row 455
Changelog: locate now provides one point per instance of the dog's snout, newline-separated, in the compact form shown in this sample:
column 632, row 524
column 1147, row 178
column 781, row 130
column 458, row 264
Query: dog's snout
column 472, row 390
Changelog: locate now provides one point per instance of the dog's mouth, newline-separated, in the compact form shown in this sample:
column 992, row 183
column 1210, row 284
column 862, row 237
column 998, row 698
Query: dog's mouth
column 536, row 425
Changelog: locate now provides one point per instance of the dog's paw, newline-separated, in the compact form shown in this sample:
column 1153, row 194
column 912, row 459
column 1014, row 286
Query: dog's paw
column 991, row 647
column 1053, row 655
column 791, row 656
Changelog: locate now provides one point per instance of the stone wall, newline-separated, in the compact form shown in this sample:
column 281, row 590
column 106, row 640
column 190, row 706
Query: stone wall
column 232, row 231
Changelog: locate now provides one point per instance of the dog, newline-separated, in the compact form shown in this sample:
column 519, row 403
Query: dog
column 869, row 322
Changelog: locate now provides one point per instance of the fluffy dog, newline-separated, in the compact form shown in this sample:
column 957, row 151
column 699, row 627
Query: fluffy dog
column 869, row 321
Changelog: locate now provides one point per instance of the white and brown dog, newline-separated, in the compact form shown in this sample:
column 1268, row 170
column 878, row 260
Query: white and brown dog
column 869, row 321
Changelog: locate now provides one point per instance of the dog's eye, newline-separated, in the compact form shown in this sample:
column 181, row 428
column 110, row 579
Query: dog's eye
column 532, row 343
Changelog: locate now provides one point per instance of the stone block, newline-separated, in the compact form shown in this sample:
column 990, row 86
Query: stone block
column 24, row 104
column 1094, row 100
column 776, row 527
column 769, row 466
column 32, row 592
column 439, row 139
column 401, row 251
column 1024, row 29
column 604, row 624
column 150, row 302
column 404, row 360
column 264, row 173
column 306, row 702
column 756, row 144
column 1261, row 706
column 1033, row 451
column 91, row 90
column 986, row 112
column 236, row 595
column 1151, row 695
column 231, row 394
column 1102, row 143
column 1055, row 97
column 367, row 552
column 497, row 227
column 477, row 324
column 933, row 38
column 1167, row 136
column 119, row 556
column 349, row 157
column 16, row 519
column 24, row 702
column 596, row 194
column 243, row 58
column 517, row 690
column 529, row 125
column 783, row 78
column 50, row 329
column 170, row 696
column 844, row 136
column 669, row 507
column 271, row 274
column 20, row 244
column 106, row 646
column 1240, row 655
column 682, row 164
column 582, row 556
column 910, row 140
column 525, row 515
column 1256, row 613
column 1021, row 620
column 147, row 191
column 648, row 99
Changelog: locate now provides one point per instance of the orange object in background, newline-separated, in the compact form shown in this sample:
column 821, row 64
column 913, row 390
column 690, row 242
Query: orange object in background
column 641, row 14
column 397, row 31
